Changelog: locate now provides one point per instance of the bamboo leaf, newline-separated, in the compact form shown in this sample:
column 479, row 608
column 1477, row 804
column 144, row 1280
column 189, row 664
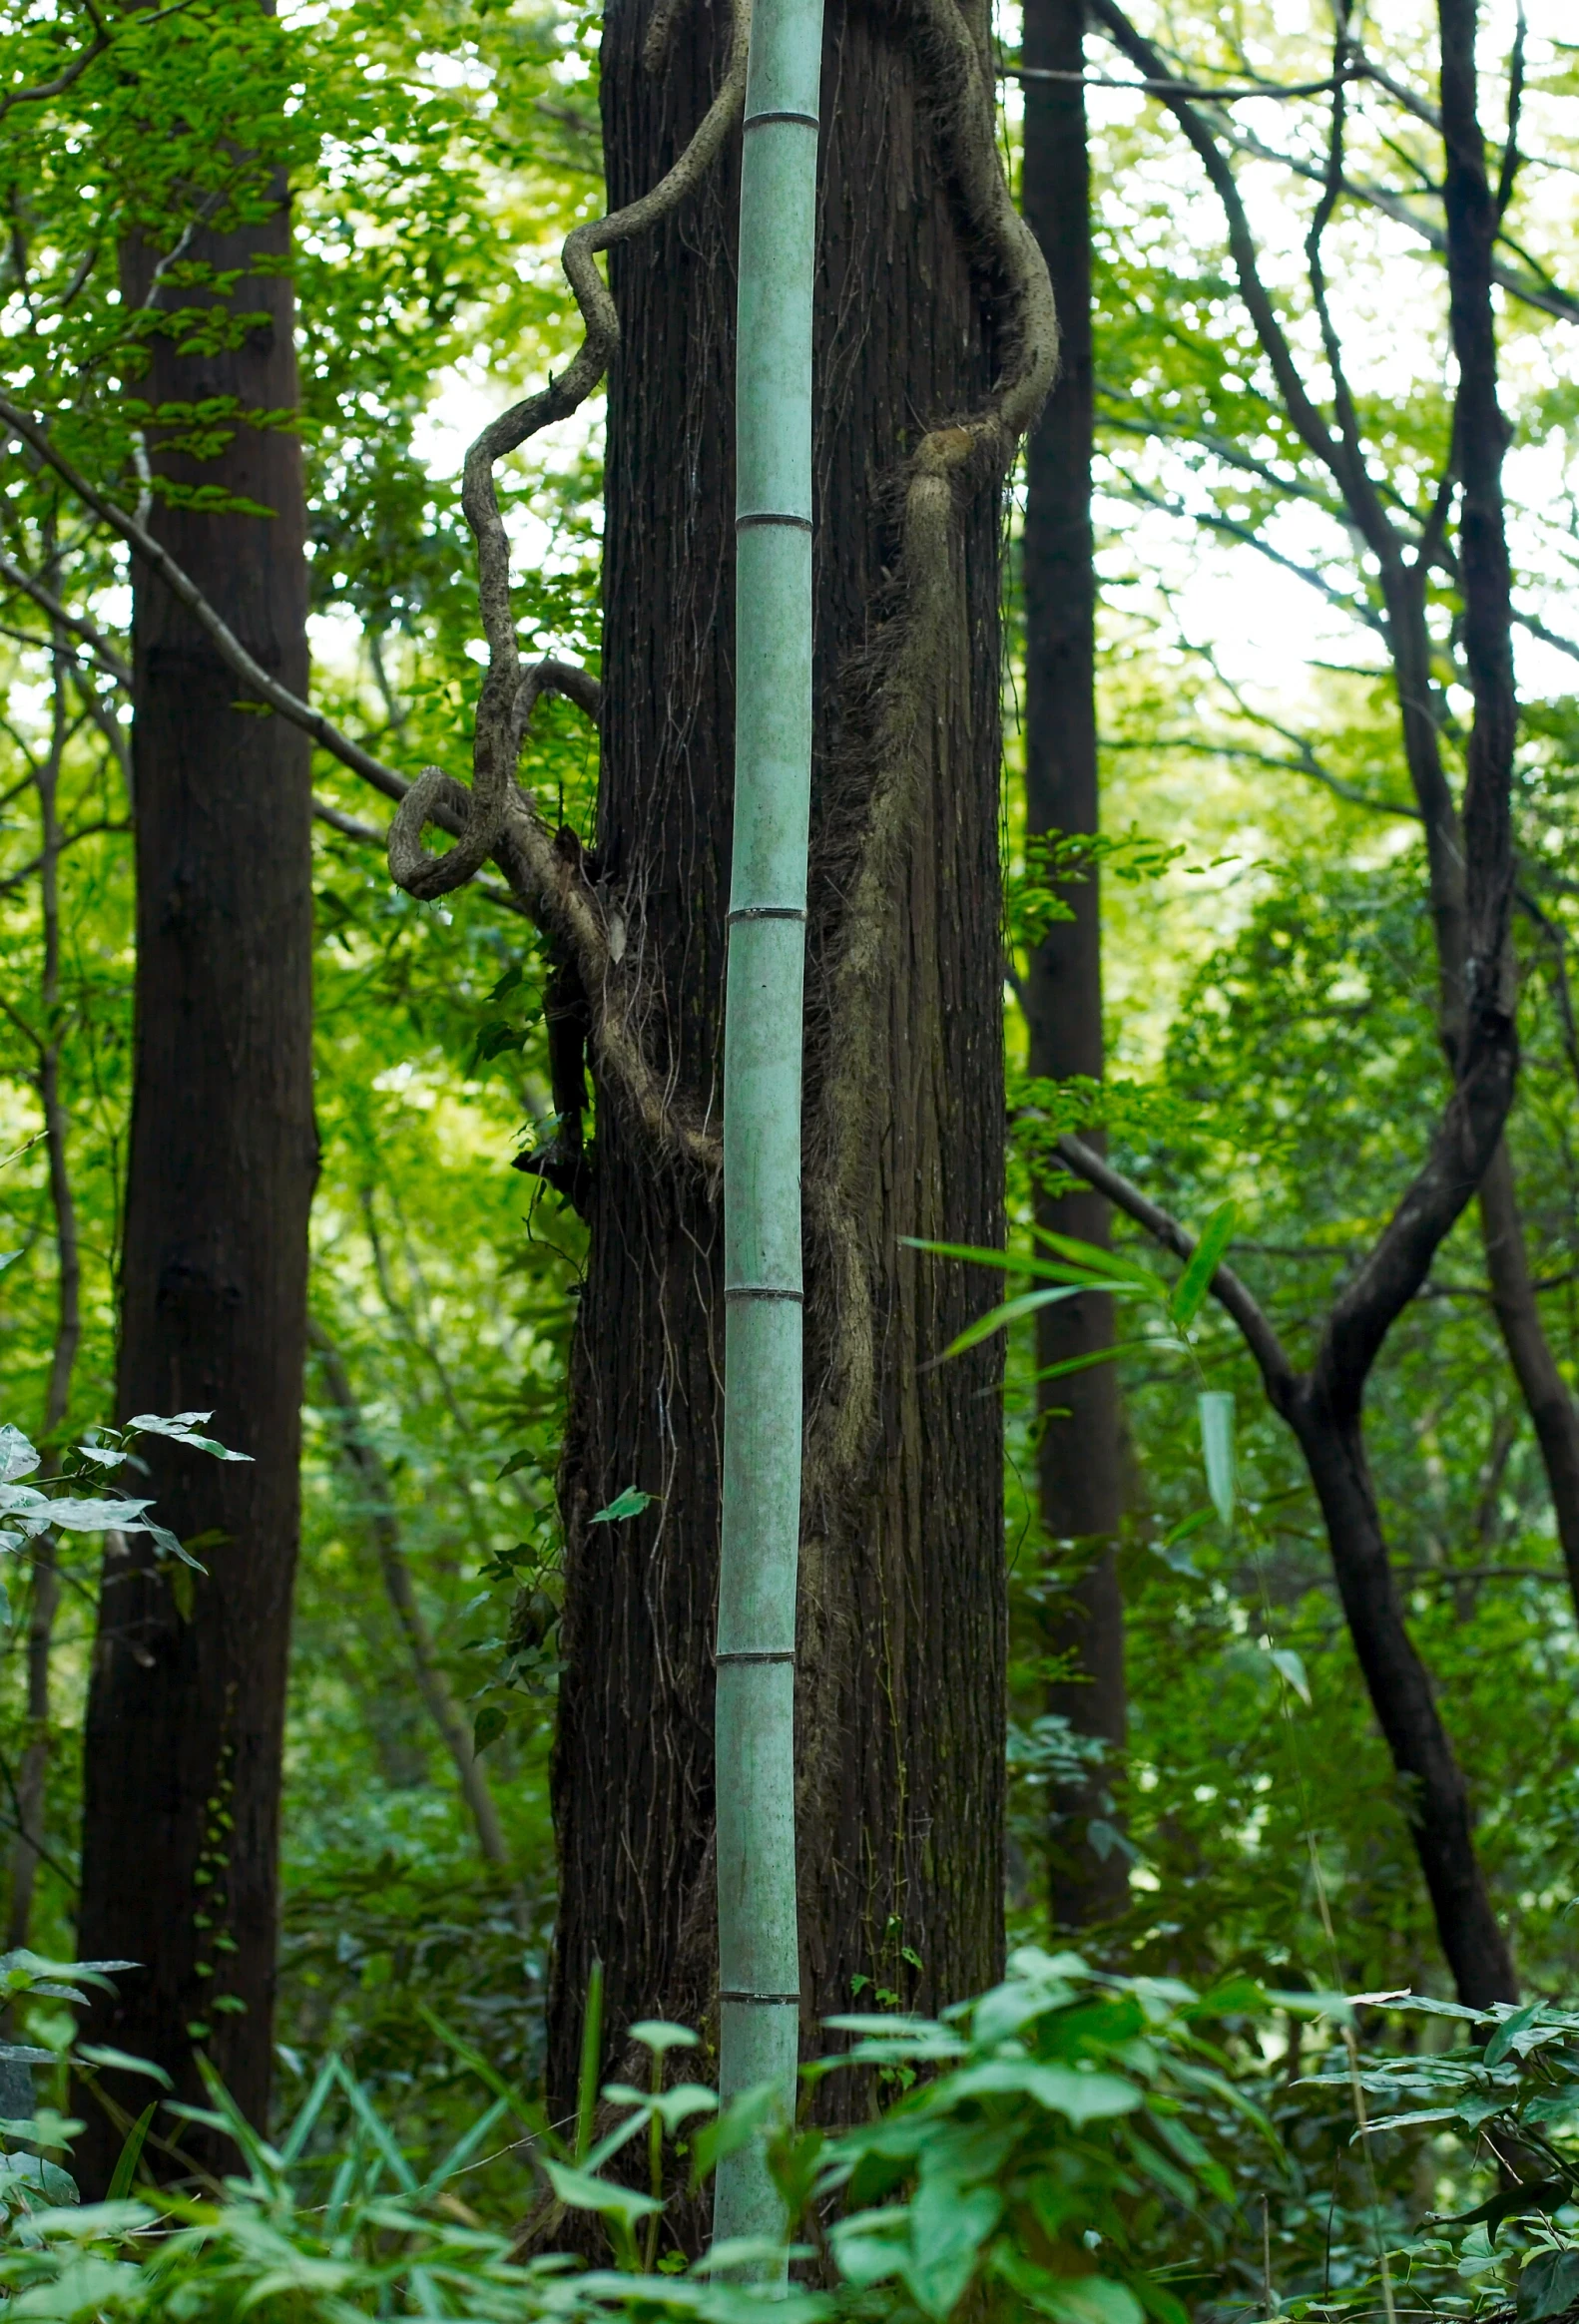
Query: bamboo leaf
column 1015, row 1263
column 1010, row 1311
column 1101, row 1355
column 1193, row 1284
column 1215, row 1407
column 1111, row 1264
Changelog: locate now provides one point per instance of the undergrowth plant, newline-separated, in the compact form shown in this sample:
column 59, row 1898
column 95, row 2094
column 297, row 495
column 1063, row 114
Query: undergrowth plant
column 1038, row 2150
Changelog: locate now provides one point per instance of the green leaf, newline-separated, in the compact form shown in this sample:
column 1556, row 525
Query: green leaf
column 1014, row 1262
column 1101, row 1355
column 1215, row 1407
column 1548, row 2286
column 1010, row 1311
column 1287, row 1662
column 16, row 1457
column 1193, row 1284
column 580, row 2190
column 656, row 2034
column 1062, row 2089
column 1100, row 1261
column 947, row 2230
column 131, row 2154
column 1502, row 2040
column 488, row 1725
column 182, row 1429
column 630, row 1502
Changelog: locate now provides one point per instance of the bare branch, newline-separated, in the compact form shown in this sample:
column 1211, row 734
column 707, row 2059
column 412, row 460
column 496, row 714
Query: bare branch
column 112, row 664
column 1195, row 89
column 1233, row 1296
column 186, row 592
column 1546, row 295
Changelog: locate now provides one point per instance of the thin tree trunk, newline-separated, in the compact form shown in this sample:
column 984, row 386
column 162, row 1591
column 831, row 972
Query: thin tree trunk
column 366, row 1464
column 1402, row 578
column 44, row 1599
column 1547, row 1396
column 900, row 1703
column 1323, row 1408
column 1079, row 1460
column 186, row 1706
column 1437, row 1799
column 1471, row 893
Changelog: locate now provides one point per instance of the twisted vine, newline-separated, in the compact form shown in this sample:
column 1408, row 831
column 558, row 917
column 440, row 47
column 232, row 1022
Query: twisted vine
column 497, row 817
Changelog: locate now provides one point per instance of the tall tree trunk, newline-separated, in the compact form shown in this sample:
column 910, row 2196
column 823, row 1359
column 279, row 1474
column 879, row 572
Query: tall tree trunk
column 899, row 1702
column 1079, row 1458
column 185, row 1707
column 44, row 1598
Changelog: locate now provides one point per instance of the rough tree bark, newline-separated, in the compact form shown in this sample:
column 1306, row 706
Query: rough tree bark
column 1079, row 1461
column 900, row 1706
column 185, row 1704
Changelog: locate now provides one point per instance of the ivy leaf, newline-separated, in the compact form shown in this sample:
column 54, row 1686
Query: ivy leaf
column 630, row 1502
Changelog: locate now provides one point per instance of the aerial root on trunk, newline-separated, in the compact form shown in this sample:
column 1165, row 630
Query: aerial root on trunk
column 499, row 819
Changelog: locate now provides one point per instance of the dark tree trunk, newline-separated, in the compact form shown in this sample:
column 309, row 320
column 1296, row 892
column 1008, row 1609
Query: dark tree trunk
column 1079, row 1466
column 186, row 1706
column 900, row 1703
column 1437, row 1799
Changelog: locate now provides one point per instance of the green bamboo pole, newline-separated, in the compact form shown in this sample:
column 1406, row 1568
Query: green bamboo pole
column 758, row 1947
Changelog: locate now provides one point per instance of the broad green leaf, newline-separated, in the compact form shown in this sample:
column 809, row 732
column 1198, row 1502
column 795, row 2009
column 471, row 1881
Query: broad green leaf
column 1079, row 2097
column 1549, row 2286
column 947, row 2230
column 656, row 2034
column 488, row 1725
column 182, row 1429
column 1193, row 1284
column 1215, row 1407
column 16, row 1457
column 580, row 2190
column 1288, row 1664
column 1507, row 2034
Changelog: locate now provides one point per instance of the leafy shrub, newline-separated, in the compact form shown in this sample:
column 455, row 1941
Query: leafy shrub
column 1505, row 2100
column 1037, row 2150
